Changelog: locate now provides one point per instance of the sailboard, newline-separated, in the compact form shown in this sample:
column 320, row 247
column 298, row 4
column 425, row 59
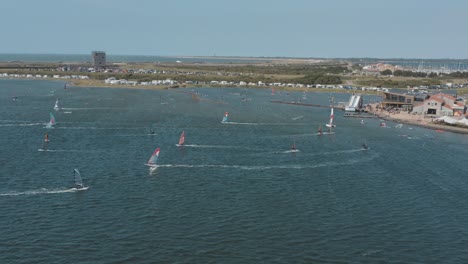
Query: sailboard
column 51, row 121
column 79, row 181
column 293, row 147
column 319, row 131
column 225, row 118
column 153, row 160
column 181, row 139
column 56, row 107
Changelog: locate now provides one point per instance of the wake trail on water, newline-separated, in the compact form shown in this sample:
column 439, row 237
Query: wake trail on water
column 67, row 150
column 93, row 108
column 265, row 124
column 40, row 191
column 100, row 128
column 272, row 167
column 215, row 146
column 20, row 125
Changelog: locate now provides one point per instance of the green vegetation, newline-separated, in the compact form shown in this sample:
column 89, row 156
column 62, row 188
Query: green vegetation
column 397, row 83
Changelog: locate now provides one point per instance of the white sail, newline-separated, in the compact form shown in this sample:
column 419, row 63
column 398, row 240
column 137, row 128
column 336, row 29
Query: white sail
column 78, row 180
column 56, row 107
column 51, row 122
column 332, row 117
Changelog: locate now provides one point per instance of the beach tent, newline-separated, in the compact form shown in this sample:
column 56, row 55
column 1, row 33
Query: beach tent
column 446, row 119
column 463, row 121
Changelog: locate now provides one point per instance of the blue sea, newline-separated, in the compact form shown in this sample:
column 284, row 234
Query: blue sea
column 235, row 193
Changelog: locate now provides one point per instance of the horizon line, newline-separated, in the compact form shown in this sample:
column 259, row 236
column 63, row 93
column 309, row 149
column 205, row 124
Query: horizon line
column 237, row 56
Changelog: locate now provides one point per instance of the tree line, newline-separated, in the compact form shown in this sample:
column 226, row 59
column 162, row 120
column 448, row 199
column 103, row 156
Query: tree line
column 403, row 73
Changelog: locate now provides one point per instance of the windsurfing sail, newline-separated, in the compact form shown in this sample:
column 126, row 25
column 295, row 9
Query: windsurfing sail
column 332, row 117
column 272, row 91
column 78, row 180
column 56, row 107
column 51, row 122
column 153, row 159
column 225, row 118
column 182, row 139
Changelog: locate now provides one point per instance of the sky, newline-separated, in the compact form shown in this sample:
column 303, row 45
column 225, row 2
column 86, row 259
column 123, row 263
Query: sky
column 258, row 28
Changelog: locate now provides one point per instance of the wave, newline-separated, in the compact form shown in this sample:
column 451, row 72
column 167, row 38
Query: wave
column 40, row 191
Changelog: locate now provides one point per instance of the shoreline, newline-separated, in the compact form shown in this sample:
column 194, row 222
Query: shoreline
column 402, row 117
column 100, row 84
column 408, row 119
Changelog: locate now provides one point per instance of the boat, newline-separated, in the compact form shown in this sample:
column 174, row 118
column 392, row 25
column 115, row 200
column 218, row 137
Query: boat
column 330, row 124
column 181, row 139
column 56, row 107
column 153, row 159
column 46, row 137
column 79, row 186
column 399, row 126
column 51, row 121
column 225, row 118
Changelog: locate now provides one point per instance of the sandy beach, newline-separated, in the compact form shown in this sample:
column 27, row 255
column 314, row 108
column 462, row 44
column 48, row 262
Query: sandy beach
column 417, row 120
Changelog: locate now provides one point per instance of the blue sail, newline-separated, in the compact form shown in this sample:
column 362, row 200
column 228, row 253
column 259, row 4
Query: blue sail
column 78, row 180
column 225, row 118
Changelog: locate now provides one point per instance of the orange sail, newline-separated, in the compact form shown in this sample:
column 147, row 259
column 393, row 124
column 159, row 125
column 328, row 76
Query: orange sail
column 182, row 138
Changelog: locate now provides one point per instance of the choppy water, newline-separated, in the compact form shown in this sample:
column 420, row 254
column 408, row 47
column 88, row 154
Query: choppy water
column 234, row 194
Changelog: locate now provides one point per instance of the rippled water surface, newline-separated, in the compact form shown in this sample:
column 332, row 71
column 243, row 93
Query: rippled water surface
column 234, row 194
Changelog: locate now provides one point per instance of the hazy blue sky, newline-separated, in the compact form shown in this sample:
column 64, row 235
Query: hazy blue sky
column 294, row 28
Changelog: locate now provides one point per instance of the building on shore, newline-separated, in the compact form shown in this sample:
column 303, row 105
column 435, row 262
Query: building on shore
column 99, row 59
column 440, row 105
column 397, row 100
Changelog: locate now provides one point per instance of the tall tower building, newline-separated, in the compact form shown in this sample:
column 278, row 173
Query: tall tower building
column 99, row 59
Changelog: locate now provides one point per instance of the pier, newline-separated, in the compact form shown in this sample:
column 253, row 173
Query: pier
column 313, row 105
